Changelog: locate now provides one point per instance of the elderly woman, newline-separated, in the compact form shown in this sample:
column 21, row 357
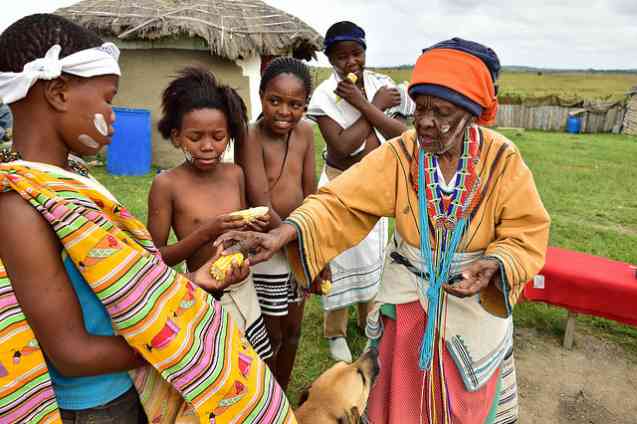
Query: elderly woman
column 470, row 231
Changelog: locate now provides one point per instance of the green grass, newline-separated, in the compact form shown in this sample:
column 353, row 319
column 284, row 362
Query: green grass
column 517, row 86
column 131, row 191
column 603, row 86
column 587, row 183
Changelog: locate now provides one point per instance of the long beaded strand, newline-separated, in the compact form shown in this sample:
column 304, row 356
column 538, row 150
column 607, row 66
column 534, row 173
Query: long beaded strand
column 449, row 227
column 449, row 217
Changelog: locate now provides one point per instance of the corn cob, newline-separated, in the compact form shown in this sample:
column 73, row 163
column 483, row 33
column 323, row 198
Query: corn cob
column 221, row 266
column 326, row 287
column 251, row 214
column 353, row 78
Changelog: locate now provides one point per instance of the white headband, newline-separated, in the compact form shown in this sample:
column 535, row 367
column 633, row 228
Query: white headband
column 87, row 63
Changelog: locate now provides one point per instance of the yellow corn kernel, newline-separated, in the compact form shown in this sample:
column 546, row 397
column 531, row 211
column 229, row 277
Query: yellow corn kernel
column 326, row 286
column 222, row 265
column 353, row 78
column 251, row 214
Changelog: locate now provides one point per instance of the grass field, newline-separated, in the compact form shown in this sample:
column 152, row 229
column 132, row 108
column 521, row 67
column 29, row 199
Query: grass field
column 521, row 85
column 587, row 183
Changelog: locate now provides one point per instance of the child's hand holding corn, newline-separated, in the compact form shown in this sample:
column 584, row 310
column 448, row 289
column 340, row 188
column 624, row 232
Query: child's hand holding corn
column 349, row 91
column 221, row 271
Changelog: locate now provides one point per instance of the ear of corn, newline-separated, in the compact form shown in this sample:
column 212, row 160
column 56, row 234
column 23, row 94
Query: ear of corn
column 326, row 286
column 251, row 214
column 221, row 266
column 353, row 78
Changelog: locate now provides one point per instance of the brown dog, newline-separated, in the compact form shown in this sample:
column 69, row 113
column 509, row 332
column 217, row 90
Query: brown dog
column 340, row 394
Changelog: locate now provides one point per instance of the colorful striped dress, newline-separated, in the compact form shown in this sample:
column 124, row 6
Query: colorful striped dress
column 202, row 368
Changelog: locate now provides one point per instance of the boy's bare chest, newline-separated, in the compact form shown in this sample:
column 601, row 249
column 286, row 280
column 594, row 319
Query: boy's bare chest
column 197, row 203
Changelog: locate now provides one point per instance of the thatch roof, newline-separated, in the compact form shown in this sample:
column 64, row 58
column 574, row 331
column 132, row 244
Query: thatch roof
column 232, row 28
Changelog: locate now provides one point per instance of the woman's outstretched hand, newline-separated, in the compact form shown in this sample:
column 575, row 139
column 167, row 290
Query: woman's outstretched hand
column 258, row 247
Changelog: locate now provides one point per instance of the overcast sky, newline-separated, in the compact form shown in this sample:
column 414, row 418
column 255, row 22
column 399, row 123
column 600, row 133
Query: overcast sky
column 600, row 34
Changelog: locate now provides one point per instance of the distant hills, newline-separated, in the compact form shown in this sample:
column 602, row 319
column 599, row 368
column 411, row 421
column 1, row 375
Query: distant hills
column 514, row 68
column 551, row 70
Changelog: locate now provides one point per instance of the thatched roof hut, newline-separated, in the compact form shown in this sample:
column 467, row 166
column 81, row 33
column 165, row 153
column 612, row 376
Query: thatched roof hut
column 233, row 29
column 233, row 38
column 630, row 119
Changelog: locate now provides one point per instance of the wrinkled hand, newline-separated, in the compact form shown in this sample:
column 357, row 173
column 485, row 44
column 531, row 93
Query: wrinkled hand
column 350, row 92
column 476, row 276
column 325, row 274
column 258, row 247
column 386, row 98
column 236, row 274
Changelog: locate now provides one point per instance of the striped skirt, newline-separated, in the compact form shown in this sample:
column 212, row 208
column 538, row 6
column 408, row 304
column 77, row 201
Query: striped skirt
column 275, row 285
column 399, row 395
column 240, row 300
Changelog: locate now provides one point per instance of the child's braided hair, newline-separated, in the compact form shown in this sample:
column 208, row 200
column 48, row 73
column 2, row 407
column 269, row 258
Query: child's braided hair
column 287, row 65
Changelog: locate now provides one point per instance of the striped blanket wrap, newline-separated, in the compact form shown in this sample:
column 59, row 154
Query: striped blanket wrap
column 202, row 369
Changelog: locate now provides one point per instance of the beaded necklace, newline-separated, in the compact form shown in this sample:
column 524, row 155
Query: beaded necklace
column 446, row 215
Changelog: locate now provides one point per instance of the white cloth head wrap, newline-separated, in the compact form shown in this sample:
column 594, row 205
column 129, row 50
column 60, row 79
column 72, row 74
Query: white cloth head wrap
column 87, row 63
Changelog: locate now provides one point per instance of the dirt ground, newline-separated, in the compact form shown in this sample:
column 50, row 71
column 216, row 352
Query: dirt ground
column 594, row 383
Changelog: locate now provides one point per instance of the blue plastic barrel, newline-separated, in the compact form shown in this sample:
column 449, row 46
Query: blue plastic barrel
column 130, row 153
column 573, row 125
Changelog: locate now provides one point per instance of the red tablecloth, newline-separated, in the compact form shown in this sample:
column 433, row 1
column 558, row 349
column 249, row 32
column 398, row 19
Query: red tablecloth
column 586, row 284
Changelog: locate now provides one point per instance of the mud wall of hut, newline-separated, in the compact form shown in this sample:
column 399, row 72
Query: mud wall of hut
column 147, row 72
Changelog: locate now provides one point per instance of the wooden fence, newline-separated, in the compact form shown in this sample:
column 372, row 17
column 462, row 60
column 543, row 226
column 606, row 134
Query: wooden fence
column 630, row 120
column 553, row 118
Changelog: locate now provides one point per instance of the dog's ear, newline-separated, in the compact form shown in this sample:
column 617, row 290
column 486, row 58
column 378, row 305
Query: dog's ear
column 355, row 414
column 304, row 395
column 351, row 417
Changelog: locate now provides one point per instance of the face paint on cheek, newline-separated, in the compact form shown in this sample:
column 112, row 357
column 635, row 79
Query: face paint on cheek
column 445, row 129
column 88, row 141
column 100, row 124
column 459, row 128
